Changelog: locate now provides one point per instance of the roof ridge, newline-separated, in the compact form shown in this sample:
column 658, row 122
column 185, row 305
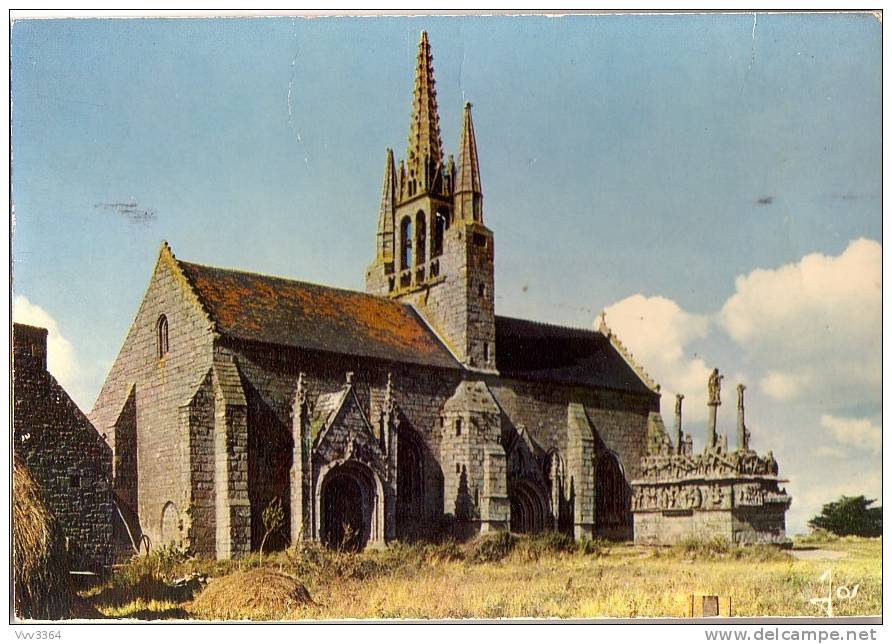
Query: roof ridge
column 167, row 253
column 296, row 281
column 553, row 325
column 430, row 327
column 286, row 311
column 607, row 332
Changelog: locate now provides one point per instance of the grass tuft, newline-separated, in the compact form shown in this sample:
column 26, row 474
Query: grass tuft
column 717, row 549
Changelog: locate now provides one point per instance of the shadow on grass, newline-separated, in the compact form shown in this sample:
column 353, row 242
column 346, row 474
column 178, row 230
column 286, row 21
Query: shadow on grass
column 145, row 589
column 150, row 615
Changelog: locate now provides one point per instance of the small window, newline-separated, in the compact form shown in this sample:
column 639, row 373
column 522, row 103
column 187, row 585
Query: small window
column 479, row 240
column 74, row 481
column 406, row 243
column 481, row 290
column 486, row 352
column 420, row 238
column 441, row 223
column 163, row 345
column 458, row 426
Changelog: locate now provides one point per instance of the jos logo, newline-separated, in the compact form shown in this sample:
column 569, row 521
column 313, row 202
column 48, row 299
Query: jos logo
column 842, row 592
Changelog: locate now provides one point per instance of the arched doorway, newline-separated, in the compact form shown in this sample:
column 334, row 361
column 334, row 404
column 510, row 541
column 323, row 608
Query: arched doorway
column 612, row 511
column 348, row 504
column 409, row 486
column 529, row 508
column 170, row 524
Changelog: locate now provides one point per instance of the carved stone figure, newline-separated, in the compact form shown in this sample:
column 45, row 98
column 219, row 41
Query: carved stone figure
column 715, row 387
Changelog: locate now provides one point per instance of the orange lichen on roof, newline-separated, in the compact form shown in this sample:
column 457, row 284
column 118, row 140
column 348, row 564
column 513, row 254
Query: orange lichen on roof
column 271, row 309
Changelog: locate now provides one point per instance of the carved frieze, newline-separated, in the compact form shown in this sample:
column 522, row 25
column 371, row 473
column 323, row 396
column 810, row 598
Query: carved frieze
column 703, row 494
column 710, row 464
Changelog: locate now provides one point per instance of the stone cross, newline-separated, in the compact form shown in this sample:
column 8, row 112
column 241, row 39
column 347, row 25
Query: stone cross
column 678, row 434
column 714, row 387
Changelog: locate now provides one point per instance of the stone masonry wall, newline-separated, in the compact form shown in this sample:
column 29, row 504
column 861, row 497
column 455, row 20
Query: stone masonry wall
column 67, row 457
column 419, row 393
column 619, row 419
column 459, row 305
column 199, row 418
column 162, row 385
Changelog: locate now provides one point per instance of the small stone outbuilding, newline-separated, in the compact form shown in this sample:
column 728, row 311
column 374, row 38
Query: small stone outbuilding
column 68, row 459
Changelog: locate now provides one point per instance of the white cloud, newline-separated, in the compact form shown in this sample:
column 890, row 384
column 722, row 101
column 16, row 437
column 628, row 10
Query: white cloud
column 783, row 386
column 814, row 325
column 809, row 335
column 656, row 330
column 61, row 359
column 858, row 432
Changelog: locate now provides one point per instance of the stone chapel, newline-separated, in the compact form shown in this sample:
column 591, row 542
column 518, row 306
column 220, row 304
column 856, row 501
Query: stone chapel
column 405, row 412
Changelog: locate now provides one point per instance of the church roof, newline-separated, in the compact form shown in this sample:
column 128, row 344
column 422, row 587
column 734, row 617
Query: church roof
column 275, row 310
column 549, row 353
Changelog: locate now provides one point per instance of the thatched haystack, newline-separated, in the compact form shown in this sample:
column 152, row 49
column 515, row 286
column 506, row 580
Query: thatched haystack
column 42, row 583
column 260, row 593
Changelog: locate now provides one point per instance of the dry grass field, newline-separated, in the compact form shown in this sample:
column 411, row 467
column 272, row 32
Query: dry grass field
column 498, row 577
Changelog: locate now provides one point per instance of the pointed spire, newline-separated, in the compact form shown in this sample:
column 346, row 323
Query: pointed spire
column 402, row 180
column 386, row 214
column 602, row 324
column 468, row 195
column 468, row 166
column 425, row 148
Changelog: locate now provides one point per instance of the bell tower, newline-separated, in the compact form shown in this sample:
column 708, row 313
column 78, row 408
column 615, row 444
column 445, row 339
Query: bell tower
column 433, row 250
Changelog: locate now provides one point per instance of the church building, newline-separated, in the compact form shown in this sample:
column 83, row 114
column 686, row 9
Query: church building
column 403, row 412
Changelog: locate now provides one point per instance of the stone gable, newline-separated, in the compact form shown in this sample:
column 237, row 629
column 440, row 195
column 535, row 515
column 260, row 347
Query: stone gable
column 70, row 461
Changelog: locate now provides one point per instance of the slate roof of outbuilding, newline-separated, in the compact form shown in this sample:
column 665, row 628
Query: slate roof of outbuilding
column 274, row 310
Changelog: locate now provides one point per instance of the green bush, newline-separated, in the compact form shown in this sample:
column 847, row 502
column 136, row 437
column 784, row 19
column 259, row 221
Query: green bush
column 165, row 563
column 850, row 515
column 490, row 547
column 534, row 547
column 818, row 535
column 718, row 548
column 596, row 547
column 313, row 560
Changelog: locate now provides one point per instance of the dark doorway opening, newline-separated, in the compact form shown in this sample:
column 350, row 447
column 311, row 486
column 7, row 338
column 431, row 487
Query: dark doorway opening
column 343, row 512
column 612, row 500
column 410, row 487
column 529, row 509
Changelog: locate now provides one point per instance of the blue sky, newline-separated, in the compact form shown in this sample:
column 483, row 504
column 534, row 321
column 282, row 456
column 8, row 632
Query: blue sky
column 707, row 179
